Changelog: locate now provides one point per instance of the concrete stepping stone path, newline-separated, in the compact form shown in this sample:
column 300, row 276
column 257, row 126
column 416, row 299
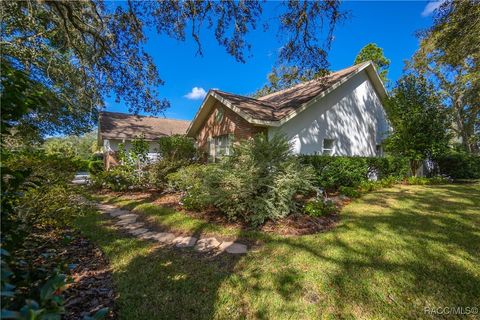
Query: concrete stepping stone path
column 128, row 221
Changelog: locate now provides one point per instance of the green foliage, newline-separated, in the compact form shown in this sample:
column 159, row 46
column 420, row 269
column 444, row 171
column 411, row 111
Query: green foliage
column 459, row 165
column 82, row 147
column 121, row 178
column 369, row 186
column 177, row 151
column 350, row 192
column 375, row 54
column 449, row 55
column 198, row 183
column 177, row 147
column 95, row 166
column 427, row 181
column 36, row 195
column 332, row 173
column 418, row 120
column 258, row 182
column 320, row 208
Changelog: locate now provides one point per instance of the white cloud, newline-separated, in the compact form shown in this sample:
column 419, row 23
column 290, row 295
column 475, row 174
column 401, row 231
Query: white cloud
column 196, row 93
column 430, row 7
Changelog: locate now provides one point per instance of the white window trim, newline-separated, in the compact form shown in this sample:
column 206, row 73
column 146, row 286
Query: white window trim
column 331, row 151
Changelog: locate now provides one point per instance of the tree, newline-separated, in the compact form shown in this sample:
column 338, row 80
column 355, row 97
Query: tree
column 449, row 55
column 418, row 120
column 72, row 146
column 374, row 53
column 283, row 77
column 81, row 51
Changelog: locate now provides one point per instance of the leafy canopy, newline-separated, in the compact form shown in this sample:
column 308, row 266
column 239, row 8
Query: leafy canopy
column 419, row 121
column 374, row 53
column 449, row 56
column 74, row 53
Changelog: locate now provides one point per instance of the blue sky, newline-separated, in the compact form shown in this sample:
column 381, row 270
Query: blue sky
column 390, row 24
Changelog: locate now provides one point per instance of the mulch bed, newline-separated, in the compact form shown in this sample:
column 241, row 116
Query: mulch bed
column 92, row 286
column 296, row 224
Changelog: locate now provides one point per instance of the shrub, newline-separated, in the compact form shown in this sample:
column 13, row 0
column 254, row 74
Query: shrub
column 349, row 192
column 197, row 182
column 320, row 208
column 459, row 165
column 121, row 178
column 426, row 181
column 95, row 166
column 177, row 151
column 259, row 181
column 335, row 172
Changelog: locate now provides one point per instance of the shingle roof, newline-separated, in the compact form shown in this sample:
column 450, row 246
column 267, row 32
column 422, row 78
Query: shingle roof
column 275, row 106
column 114, row 125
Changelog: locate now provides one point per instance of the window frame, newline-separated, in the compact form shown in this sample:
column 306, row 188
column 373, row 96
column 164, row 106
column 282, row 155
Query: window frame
column 328, row 151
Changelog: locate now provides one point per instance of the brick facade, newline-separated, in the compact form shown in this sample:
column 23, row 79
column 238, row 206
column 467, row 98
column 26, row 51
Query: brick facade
column 230, row 123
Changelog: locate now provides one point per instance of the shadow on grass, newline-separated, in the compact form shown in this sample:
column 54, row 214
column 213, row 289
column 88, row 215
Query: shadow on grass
column 395, row 252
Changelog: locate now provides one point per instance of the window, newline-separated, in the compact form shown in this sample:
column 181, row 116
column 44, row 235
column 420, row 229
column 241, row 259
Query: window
column 328, row 147
column 220, row 146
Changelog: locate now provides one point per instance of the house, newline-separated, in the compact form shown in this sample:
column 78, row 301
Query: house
column 115, row 128
column 339, row 114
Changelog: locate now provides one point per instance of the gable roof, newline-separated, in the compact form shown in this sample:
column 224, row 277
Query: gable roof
column 276, row 108
column 115, row 125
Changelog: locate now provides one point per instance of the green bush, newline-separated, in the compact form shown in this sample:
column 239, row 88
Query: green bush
column 121, row 178
column 350, row 192
column 335, row 172
column 320, row 208
column 95, row 166
column 198, row 182
column 259, row 181
column 176, row 151
column 427, row 181
column 459, row 165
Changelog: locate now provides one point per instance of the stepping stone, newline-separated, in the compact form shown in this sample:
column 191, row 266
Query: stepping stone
column 118, row 213
column 232, row 247
column 125, row 222
column 183, row 242
column 137, row 232
column 164, row 237
column 206, row 244
column 105, row 207
column 128, row 216
column 147, row 235
column 132, row 226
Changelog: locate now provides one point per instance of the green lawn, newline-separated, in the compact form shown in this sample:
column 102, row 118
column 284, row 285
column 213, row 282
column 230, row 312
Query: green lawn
column 395, row 252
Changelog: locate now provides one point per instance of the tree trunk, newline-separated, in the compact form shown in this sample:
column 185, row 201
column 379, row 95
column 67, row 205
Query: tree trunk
column 414, row 164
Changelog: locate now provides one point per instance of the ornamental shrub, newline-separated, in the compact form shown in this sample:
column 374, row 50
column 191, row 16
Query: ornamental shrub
column 261, row 180
column 320, row 208
column 335, row 172
column 459, row 165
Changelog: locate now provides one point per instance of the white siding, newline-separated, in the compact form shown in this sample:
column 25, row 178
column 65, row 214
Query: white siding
column 352, row 115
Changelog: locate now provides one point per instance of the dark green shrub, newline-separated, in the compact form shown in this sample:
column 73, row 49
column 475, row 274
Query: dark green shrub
column 335, row 172
column 121, row 178
column 95, row 166
column 427, row 181
column 350, row 192
column 459, row 165
column 320, row 208
column 197, row 182
column 176, row 151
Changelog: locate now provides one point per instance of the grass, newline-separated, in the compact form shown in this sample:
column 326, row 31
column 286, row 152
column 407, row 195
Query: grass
column 395, row 252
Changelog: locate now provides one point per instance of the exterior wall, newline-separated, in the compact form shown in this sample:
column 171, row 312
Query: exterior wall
column 231, row 123
column 352, row 115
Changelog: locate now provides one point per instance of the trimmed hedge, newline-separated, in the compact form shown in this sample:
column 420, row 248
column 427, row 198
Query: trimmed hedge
column 335, row 172
column 459, row 165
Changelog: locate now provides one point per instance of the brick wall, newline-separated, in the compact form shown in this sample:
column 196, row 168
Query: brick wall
column 231, row 123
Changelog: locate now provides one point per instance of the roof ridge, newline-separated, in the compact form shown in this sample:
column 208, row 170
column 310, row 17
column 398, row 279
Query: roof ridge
column 142, row 116
column 310, row 81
